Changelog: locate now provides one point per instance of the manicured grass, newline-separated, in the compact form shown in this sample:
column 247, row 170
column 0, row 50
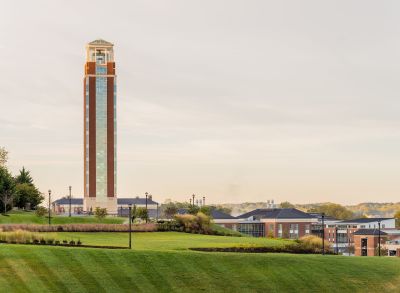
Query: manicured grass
column 22, row 217
column 165, row 240
column 26, row 268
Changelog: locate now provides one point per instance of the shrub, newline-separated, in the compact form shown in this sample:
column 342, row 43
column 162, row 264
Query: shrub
column 41, row 211
column 100, row 213
column 193, row 223
column 149, row 227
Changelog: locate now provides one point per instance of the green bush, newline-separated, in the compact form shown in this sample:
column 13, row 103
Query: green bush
column 41, row 211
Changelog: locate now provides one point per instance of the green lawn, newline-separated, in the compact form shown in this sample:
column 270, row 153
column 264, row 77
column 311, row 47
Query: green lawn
column 22, row 217
column 26, row 268
column 165, row 240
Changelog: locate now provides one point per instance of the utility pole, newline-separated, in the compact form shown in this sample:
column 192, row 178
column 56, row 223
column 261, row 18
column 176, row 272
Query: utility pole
column 70, row 188
column 49, row 207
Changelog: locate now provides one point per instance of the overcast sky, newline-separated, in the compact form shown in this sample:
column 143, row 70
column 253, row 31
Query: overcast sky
column 233, row 100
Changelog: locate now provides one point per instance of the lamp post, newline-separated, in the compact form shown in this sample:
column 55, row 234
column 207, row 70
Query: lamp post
column 193, row 198
column 336, row 240
column 49, row 207
column 379, row 237
column 157, row 212
column 70, row 188
column 348, row 241
column 323, row 233
column 130, row 226
column 146, row 206
column 204, row 200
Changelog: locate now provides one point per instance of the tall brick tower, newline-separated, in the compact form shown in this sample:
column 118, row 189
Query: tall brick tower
column 99, row 83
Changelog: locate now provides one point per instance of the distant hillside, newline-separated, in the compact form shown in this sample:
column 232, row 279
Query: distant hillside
column 368, row 209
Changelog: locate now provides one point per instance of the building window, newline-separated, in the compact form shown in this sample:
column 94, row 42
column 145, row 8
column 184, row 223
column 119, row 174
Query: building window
column 307, row 229
column 252, row 229
column 294, row 231
column 280, row 232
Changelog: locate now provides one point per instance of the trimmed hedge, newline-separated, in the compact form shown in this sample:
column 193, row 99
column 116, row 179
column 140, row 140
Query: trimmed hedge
column 296, row 249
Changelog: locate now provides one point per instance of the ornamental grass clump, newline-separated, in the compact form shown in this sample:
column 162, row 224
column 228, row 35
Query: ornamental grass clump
column 312, row 244
column 25, row 237
column 199, row 223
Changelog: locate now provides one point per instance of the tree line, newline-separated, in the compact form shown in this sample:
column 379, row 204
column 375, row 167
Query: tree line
column 17, row 191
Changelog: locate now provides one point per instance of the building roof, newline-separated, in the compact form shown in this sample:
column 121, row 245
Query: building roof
column 365, row 220
column 326, row 218
column 120, row 201
column 289, row 213
column 369, row 232
column 100, row 42
column 217, row 214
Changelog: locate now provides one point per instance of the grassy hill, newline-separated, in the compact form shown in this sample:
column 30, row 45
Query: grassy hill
column 22, row 217
column 161, row 262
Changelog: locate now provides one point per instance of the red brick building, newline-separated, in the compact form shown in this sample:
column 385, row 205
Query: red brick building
column 281, row 223
column 366, row 241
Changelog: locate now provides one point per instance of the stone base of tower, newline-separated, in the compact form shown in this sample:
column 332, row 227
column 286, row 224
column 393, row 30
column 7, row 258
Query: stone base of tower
column 90, row 204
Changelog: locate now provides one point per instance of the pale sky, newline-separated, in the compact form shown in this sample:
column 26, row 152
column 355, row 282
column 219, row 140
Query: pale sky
column 234, row 100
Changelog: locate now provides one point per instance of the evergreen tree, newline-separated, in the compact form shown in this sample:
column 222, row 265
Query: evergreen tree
column 24, row 177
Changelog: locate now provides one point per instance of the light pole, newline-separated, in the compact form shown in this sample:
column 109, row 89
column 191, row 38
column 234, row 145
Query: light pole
column 130, row 226
column 49, row 207
column 146, row 206
column 323, row 233
column 70, row 188
column 348, row 241
column 379, row 237
column 204, row 200
column 157, row 211
column 193, row 199
column 336, row 240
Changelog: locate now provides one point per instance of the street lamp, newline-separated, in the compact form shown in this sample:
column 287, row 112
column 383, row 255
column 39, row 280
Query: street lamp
column 193, row 199
column 130, row 226
column 323, row 233
column 348, row 241
column 379, row 237
column 146, row 206
column 336, row 240
column 204, row 200
column 49, row 206
column 70, row 188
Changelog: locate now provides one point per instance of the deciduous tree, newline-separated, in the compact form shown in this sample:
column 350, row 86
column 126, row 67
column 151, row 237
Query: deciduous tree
column 3, row 156
column 7, row 189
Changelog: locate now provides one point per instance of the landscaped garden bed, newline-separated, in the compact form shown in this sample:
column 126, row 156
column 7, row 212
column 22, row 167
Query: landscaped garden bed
column 150, row 227
column 306, row 245
column 34, row 238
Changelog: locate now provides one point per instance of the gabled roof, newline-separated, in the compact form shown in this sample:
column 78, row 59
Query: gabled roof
column 64, row 200
column 289, row 213
column 120, row 201
column 217, row 214
column 100, row 42
column 135, row 200
column 369, row 232
column 364, row 220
